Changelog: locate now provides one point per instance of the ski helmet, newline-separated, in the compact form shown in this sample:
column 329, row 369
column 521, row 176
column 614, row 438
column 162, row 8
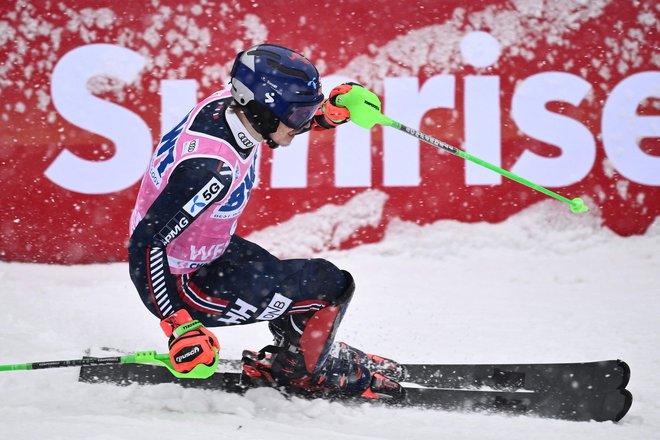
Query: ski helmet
column 275, row 84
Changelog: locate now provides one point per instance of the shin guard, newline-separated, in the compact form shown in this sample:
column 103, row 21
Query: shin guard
column 305, row 340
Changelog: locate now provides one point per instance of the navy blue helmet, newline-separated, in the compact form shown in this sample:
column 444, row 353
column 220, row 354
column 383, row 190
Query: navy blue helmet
column 275, row 84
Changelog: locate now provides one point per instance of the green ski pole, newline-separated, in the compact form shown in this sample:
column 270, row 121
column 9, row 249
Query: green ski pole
column 365, row 109
column 141, row 357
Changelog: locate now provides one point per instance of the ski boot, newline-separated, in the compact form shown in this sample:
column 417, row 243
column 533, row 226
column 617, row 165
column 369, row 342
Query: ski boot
column 340, row 376
column 376, row 364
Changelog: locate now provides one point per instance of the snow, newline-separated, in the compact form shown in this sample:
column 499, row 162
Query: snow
column 327, row 227
column 518, row 31
column 543, row 286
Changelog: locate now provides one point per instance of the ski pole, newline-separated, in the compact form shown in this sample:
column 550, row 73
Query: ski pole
column 365, row 107
column 141, row 357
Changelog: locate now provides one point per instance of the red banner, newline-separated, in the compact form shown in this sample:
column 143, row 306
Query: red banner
column 563, row 93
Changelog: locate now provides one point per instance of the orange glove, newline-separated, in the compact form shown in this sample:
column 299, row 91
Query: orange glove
column 329, row 115
column 190, row 343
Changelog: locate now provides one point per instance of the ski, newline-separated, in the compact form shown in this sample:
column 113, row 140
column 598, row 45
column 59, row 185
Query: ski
column 609, row 405
column 602, row 376
column 144, row 374
column 597, row 406
column 579, row 377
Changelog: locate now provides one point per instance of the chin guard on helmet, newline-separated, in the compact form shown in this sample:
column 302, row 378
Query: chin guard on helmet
column 274, row 84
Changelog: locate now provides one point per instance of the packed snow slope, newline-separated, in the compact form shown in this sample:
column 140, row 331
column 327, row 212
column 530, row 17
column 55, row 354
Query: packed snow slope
column 544, row 286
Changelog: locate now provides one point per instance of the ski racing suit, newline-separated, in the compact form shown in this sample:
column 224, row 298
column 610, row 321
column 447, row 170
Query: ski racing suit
column 184, row 254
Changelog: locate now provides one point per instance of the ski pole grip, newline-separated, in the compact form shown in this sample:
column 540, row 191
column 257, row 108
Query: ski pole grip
column 200, row 371
column 364, row 107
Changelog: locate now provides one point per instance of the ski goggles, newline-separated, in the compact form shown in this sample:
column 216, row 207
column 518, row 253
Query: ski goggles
column 297, row 115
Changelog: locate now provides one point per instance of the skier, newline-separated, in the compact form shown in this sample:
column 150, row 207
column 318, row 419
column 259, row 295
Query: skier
column 193, row 272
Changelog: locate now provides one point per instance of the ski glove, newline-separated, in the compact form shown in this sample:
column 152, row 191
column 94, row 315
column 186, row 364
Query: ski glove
column 191, row 343
column 329, row 115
